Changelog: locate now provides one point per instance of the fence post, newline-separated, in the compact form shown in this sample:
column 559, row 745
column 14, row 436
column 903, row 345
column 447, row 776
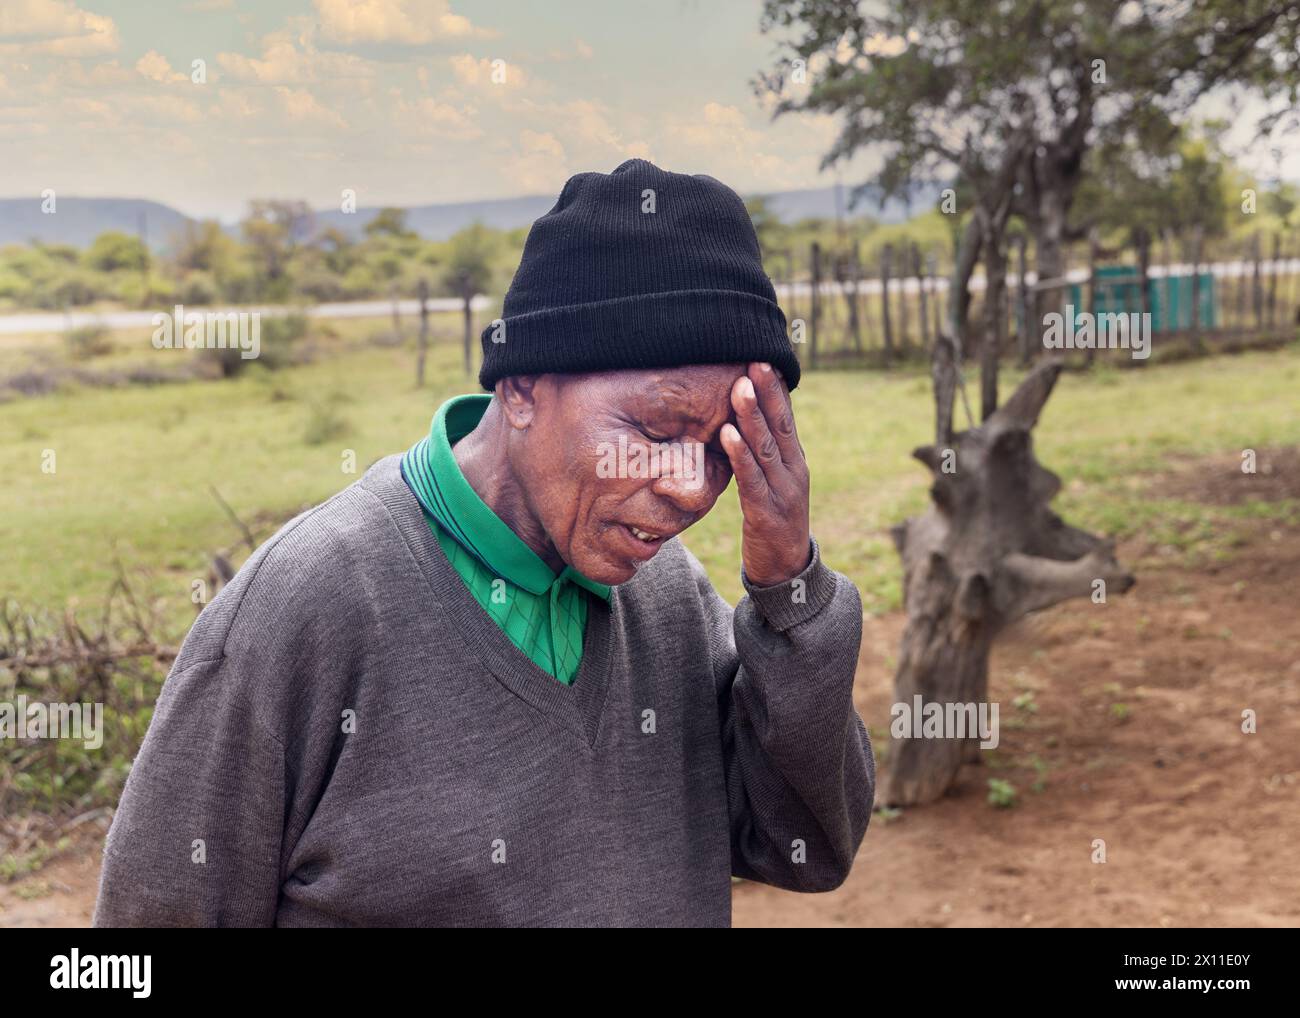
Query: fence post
column 886, row 256
column 932, row 266
column 816, row 303
column 849, row 274
column 1198, row 252
column 1022, row 299
column 923, row 298
column 903, row 316
column 1290, row 301
column 424, row 333
column 1092, row 294
column 1272, row 280
column 1242, row 259
column 1142, row 239
column 1257, row 291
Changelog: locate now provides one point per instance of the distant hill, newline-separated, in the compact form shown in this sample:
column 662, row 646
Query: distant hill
column 822, row 203
column 80, row 220
column 438, row 222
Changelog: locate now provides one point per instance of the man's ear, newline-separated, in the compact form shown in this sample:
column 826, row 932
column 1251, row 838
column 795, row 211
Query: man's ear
column 518, row 397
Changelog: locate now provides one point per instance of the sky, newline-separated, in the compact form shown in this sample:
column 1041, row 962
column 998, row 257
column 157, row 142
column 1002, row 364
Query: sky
column 395, row 100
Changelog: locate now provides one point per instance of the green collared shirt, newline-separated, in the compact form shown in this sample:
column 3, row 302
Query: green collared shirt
column 544, row 615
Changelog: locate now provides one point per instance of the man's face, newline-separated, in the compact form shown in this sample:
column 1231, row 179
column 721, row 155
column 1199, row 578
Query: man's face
column 615, row 463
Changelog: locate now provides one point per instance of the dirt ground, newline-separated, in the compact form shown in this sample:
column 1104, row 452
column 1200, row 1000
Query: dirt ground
column 1137, row 739
column 1129, row 730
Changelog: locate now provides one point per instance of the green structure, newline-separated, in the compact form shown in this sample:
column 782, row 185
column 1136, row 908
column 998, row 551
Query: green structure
column 1170, row 296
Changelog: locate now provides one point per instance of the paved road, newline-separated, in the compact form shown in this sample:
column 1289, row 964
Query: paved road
column 64, row 322
column 55, row 321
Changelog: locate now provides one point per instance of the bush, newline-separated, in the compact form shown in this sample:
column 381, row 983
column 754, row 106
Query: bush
column 70, row 289
column 277, row 337
column 88, row 341
column 324, row 422
column 198, row 289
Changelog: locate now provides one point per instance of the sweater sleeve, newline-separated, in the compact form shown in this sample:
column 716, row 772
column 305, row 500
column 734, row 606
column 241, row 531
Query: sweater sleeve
column 196, row 839
column 799, row 767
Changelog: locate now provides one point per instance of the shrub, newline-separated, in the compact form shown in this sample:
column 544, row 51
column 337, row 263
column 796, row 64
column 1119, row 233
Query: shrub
column 324, row 422
column 277, row 337
column 88, row 341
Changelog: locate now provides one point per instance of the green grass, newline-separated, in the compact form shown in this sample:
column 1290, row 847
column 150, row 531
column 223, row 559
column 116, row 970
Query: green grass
column 133, row 464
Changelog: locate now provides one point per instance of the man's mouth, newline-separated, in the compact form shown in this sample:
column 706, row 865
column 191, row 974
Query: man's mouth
column 640, row 543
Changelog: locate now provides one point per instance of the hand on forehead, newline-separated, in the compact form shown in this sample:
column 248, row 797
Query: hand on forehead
column 690, row 398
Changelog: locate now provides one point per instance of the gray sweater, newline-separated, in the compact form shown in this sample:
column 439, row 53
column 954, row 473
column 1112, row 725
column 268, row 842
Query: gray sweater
column 348, row 739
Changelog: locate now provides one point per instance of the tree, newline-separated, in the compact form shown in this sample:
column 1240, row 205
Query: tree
column 950, row 89
column 204, row 247
column 988, row 550
column 338, row 252
column 767, row 226
column 468, row 272
column 389, row 222
column 113, row 250
column 273, row 230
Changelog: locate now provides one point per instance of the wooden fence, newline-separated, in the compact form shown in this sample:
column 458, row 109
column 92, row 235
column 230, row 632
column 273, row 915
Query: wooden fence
column 1199, row 294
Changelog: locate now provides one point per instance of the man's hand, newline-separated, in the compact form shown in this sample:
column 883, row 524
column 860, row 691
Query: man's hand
column 771, row 476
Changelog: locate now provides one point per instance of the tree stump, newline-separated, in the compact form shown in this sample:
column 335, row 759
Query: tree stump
column 988, row 551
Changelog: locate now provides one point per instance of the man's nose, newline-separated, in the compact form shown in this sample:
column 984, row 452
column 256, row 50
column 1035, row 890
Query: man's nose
column 692, row 495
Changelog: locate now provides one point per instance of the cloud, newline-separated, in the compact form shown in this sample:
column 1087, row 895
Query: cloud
column 580, row 50
column 427, row 115
column 716, row 125
column 236, row 104
column 400, row 22
column 56, row 27
column 480, row 71
column 301, row 105
column 165, row 109
column 289, row 59
column 154, row 66
column 721, row 138
column 538, row 165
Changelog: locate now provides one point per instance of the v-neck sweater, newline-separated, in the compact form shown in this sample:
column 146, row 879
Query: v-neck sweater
column 543, row 614
column 347, row 739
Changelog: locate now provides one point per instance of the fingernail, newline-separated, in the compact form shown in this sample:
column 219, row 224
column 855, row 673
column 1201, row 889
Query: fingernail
column 765, row 368
column 747, row 388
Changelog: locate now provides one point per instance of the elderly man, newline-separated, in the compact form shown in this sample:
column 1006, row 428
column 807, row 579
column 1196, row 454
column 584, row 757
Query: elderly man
column 485, row 685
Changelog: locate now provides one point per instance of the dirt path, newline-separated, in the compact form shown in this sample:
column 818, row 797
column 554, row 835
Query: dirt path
column 61, row 893
column 1200, row 821
column 1136, row 739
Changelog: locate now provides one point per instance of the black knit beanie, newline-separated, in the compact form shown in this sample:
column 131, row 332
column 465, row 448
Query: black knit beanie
column 639, row 268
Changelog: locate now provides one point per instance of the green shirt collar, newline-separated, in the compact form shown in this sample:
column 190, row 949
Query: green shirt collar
column 436, row 478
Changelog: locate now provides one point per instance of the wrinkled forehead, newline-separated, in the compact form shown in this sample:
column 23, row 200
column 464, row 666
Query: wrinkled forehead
column 697, row 394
